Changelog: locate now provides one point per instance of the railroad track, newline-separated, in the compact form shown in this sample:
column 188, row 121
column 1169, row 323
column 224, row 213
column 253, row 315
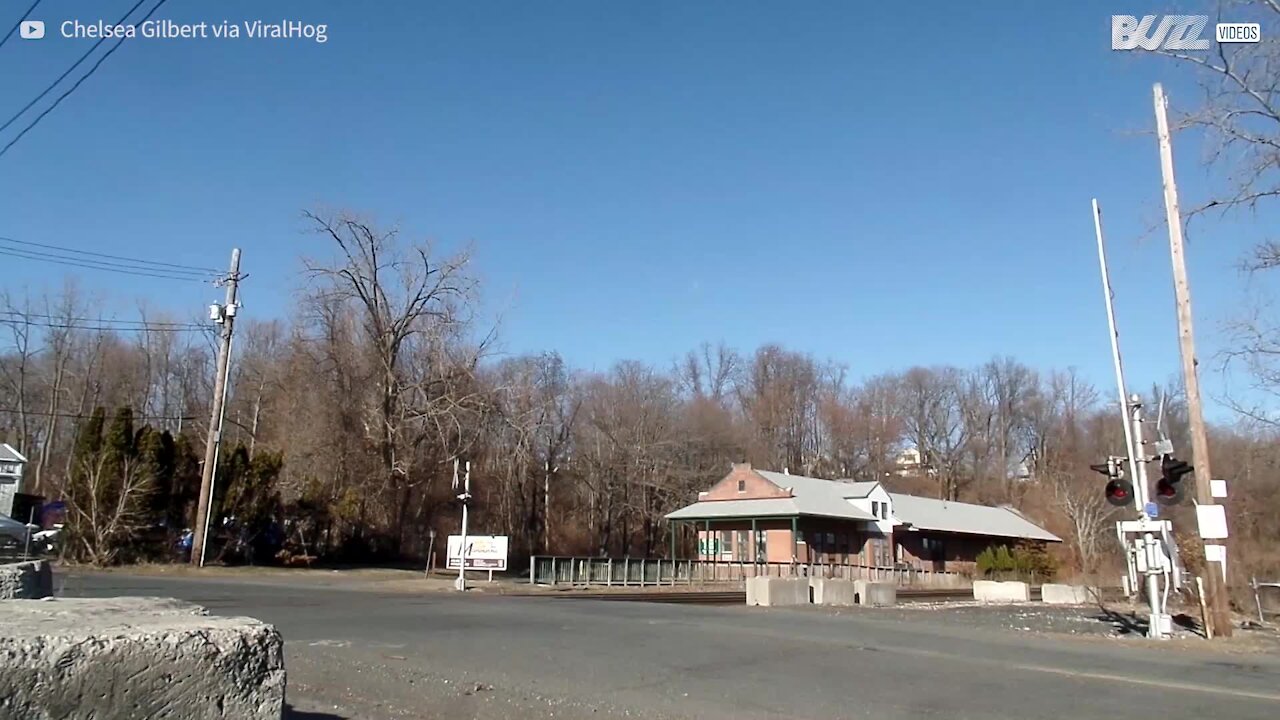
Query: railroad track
column 732, row 597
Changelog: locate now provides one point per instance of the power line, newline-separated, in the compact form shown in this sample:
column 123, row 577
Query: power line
column 72, row 89
column 129, row 265
column 63, row 318
column 64, row 75
column 140, row 261
column 69, row 326
column 70, row 261
column 14, row 29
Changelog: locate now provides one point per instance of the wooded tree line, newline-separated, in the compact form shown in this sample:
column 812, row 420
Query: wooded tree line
column 344, row 419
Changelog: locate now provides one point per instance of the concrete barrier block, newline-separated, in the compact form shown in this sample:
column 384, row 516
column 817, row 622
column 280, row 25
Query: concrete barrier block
column 30, row 580
column 833, row 592
column 136, row 657
column 1058, row 594
column 876, row 594
column 753, row 591
column 1001, row 592
column 776, row 592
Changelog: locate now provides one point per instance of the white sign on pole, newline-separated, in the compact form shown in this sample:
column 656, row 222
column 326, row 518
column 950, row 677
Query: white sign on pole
column 484, row 552
column 1213, row 521
column 1218, row 488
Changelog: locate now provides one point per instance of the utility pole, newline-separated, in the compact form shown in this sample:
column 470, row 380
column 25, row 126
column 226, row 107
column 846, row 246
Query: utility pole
column 225, row 316
column 1215, row 550
column 546, row 508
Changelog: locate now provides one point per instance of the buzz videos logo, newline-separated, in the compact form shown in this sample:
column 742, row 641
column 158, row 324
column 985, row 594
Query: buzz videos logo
column 31, row 29
column 1176, row 32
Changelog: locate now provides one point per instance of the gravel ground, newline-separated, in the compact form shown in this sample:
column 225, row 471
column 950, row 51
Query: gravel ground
column 1114, row 621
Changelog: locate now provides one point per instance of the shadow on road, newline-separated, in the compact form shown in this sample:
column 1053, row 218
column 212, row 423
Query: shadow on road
column 1125, row 624
column 293, row 714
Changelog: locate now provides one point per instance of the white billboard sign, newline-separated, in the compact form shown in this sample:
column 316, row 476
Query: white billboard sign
column 484, row 552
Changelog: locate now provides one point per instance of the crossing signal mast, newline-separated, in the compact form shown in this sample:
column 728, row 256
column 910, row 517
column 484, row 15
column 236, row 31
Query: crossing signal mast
column 1150, row 549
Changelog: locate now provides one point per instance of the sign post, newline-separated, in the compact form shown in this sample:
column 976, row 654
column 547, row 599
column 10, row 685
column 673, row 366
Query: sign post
column 465, row 497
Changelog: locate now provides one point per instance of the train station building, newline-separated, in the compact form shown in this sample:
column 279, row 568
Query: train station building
column 757, row 516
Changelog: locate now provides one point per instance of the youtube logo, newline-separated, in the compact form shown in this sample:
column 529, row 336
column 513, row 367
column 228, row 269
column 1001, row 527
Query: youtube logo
column 32, row 29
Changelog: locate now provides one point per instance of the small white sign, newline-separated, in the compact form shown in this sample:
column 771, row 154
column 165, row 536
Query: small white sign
column 484, row 552
column 1213, row 521
column 1218, row 488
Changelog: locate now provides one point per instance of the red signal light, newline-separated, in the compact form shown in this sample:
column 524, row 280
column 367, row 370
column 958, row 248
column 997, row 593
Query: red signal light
column 1120, row 492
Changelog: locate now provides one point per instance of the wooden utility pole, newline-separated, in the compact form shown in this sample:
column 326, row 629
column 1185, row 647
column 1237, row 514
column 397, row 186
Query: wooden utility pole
column 226, row 316
column 1215, row 551
column 546, row 509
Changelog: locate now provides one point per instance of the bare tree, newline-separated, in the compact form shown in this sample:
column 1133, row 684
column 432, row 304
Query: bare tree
column 16, row 369
column 409, row 302
column 931, row 402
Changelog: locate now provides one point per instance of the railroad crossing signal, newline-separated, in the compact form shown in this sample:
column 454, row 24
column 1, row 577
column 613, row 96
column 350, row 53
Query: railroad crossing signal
column 1119, row 491
column 1169, row 488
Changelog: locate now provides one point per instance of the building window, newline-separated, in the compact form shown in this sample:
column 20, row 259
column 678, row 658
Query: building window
column 743, row 544
column 875, row 509
column 742, row 486
column 934, row 549
column 726, row 542
column 880, row 552
column 762, row 546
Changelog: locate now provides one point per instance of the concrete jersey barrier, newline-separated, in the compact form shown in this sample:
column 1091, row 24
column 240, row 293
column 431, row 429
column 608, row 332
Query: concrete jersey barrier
column 833, row 592
column 876, row 594
column 774, row 592
column 29, row 580
column 118, row 658
column 1059, row 594
column 1001, row 592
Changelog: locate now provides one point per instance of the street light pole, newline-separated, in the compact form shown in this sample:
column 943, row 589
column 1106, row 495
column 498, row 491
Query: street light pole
column 465, row 497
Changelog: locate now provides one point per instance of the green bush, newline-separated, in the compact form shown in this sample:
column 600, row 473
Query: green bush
column 1025, row 559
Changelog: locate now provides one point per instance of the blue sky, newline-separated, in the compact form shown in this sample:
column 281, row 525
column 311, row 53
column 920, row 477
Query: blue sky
column 881, row 186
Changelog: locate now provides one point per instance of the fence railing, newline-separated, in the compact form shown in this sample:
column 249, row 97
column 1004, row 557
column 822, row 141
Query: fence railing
column 641, row 572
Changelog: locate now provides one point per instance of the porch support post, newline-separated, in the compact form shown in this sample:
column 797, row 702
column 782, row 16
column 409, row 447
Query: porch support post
column 794, row 547
column 675, row 527
column 755, row 548
column 706, row 524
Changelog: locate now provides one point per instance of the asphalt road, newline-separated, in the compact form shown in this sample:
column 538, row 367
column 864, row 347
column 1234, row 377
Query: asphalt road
column 366, row 654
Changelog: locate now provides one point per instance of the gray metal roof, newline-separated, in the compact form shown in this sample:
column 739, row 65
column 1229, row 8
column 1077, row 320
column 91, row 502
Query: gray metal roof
column 8, row 454
column 812, row 496
column 713, row 509
column 948, row 516
column 857, row 488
